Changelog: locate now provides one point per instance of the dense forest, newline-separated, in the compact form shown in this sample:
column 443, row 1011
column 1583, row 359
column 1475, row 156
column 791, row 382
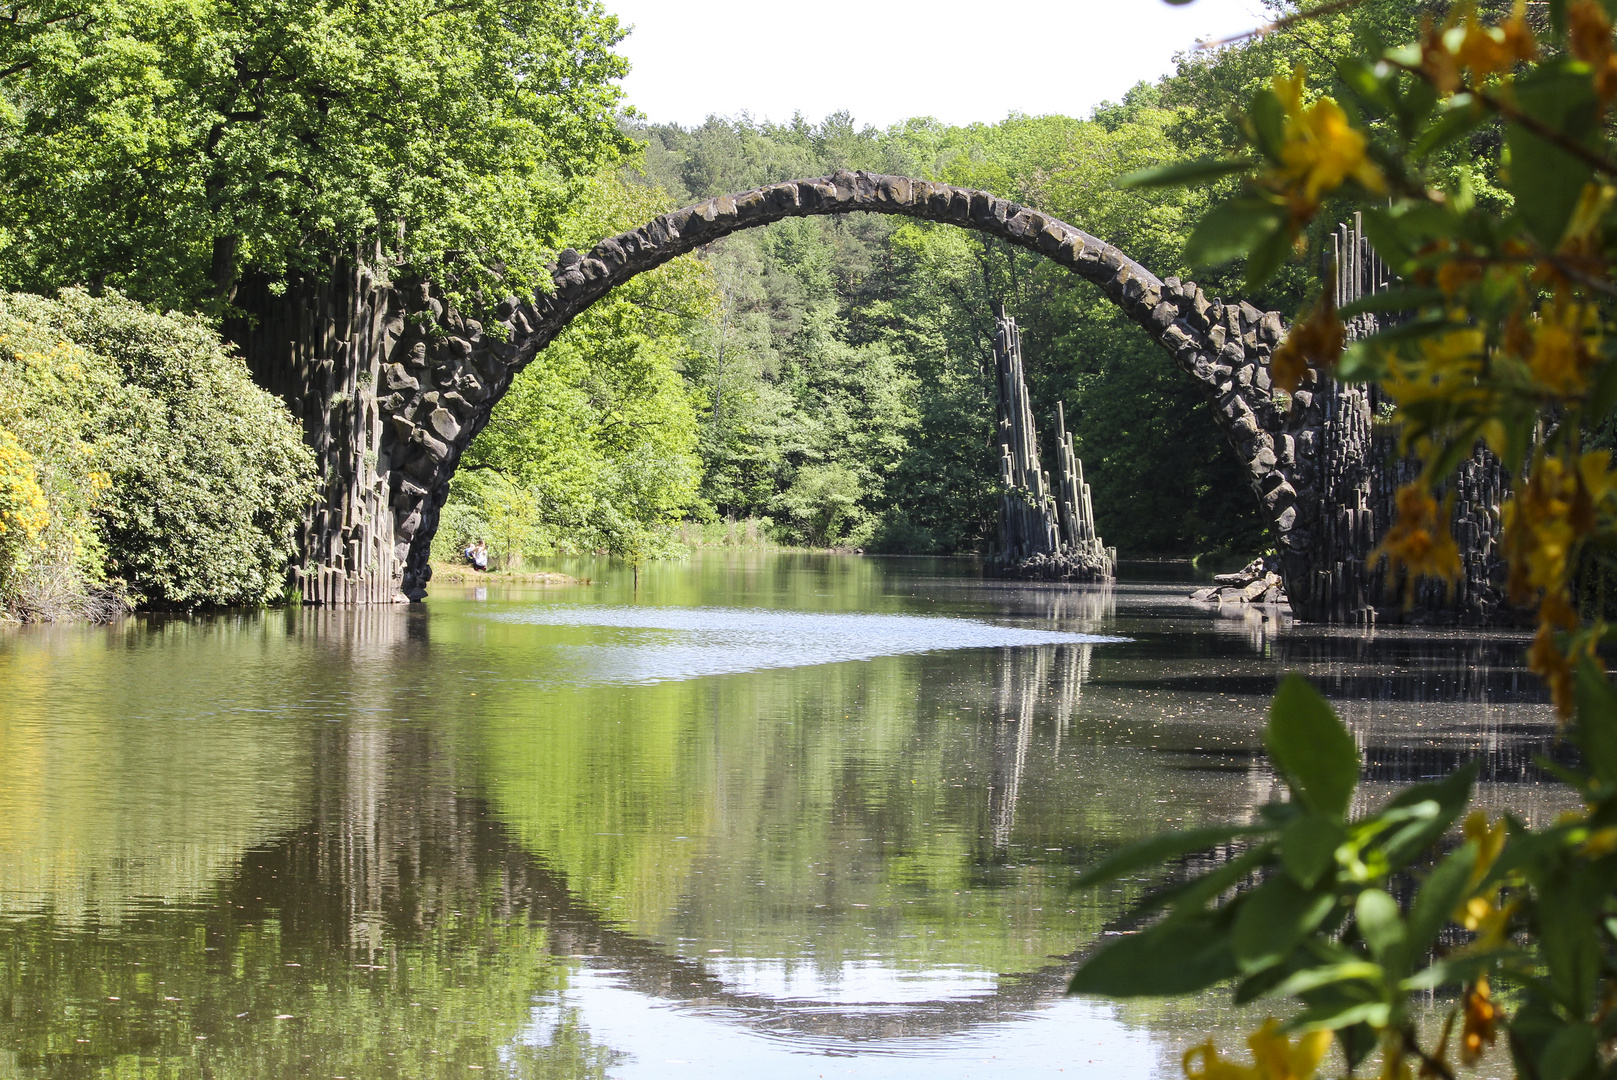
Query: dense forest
column 825, row 381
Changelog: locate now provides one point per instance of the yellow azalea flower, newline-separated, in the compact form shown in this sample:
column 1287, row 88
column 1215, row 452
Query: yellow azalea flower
column 1490, row 841
column 24, row 511
column 1418, row 541
column 1274, row 1057
column 1485, row 918
column 1446, row 367
column 1559, row 358
column 1494, row 50
column 1321, row 150
column 1480, row 1017
column 1589, row 39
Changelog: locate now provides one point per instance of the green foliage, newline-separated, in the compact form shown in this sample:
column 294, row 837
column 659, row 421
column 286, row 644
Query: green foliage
column 167, row 470
column 1501, row 336
column 165, row 148
column 51, row 482
column 594, row 445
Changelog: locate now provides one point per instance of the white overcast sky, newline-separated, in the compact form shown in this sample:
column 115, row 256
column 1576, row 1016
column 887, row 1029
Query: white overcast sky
column 885, row 61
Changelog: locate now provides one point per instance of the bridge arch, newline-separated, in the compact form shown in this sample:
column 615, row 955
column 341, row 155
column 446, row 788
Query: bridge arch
column 441, row 382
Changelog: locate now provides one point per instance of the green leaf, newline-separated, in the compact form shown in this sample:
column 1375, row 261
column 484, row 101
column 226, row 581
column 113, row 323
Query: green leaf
column 1273, row 919
column 1358, row 1042
column 1454, row 971
column 1380, row 924
column 1455, row 123
column 1339, row 1015
column 1572, row 1051
column 1568, row 941
column 1267, row 256
column 1311, row 748
column 1328, row 975
column 1386, row 234
column 1603, row 395
column 1546, row 179
column 1595, row 728
column 1439, row 895
column 1157, row 850
column 1448, row 798
column 1267, row 119
column 1184, row 173
column 1308, row 847
column 1362, row 361
column 1232, row 231
column 1192, row 894
column 1179, row 956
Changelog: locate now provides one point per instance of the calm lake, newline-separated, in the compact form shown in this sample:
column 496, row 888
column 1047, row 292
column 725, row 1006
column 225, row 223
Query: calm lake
column 764, row 815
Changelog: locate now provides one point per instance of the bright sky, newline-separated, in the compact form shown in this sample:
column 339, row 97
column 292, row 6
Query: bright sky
column 885, row 61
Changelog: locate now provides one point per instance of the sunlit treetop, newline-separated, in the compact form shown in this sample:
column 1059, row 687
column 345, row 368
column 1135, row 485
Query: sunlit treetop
column 167, row 147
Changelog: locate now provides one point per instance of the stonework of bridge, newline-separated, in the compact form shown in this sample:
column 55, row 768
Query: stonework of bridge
column 392, row 385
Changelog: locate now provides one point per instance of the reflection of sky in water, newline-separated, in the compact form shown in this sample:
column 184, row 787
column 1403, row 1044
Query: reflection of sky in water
column 1071, row 1037
column 668, row 643
column 853, row 982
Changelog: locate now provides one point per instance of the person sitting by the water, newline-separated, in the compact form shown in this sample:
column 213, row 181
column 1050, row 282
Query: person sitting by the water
column 476, row 553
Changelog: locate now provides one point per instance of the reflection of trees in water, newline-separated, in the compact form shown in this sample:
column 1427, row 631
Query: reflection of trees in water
column 1087, row 609
column 1027, row 676
column 1421, row 705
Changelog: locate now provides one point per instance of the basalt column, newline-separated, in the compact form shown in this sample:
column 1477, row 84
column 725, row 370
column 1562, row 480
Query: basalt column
column 321, row 344
column 1045, row 531
column 1360, row 473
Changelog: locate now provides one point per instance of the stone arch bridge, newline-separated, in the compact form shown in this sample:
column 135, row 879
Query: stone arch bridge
column 391, row 386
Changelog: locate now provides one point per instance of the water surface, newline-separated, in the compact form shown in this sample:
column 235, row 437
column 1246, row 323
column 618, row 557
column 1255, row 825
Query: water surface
column 782, row 815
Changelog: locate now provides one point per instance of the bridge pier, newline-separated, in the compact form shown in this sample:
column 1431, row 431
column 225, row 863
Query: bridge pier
column 322, row 345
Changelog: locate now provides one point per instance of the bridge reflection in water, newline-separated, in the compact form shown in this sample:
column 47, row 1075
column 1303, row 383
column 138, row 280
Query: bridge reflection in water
column 372, row 842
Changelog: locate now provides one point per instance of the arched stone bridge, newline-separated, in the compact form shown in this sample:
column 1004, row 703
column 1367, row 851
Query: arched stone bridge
column 392, row 386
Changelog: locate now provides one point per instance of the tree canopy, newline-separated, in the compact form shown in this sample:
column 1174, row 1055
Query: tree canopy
column 166, row 147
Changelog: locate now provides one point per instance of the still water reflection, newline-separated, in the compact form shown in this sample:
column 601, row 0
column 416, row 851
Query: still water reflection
column 766, row 815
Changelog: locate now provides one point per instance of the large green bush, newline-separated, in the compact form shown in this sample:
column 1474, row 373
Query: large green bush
column 167, row 473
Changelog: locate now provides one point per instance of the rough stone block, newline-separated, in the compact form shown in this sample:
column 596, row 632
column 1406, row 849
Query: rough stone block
column 1278, row 498
column 444, row 424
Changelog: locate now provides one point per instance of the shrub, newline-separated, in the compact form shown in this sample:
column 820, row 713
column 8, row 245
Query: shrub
column 164, row 468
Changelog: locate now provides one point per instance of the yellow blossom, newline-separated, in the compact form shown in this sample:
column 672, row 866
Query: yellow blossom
column 1418, row 540
column 1490, row 841
column 1274, row 1057
column 24, row 511
column 1589, row 39
column 1600, row 842
column 1321, row 150
column 1317, row 341
column 1480, row 1016
column 1559, row 357
column 1494, row 50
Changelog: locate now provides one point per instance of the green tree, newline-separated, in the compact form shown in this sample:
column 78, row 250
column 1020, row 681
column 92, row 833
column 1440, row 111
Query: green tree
column 167, row 148
column 593, row 447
